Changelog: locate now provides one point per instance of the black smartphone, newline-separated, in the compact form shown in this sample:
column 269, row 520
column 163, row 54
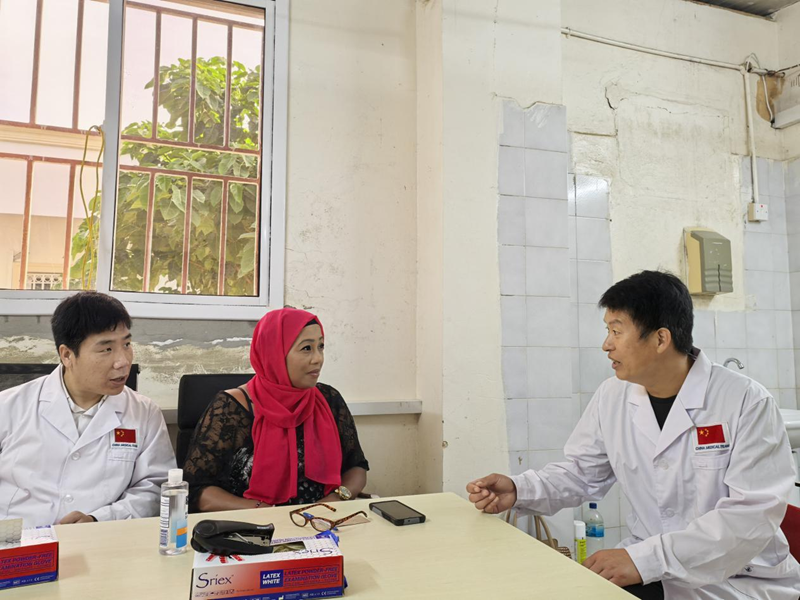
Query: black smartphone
column 397, row 512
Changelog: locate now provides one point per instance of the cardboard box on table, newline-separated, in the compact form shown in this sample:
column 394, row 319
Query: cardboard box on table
column 316, row 571
column 30, row 558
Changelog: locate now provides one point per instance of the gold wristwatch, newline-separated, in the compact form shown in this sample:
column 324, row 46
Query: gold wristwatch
column 343, row 493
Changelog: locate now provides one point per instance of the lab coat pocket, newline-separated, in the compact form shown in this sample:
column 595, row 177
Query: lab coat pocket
column 712, row 461
column 123, row 454
column 709, row 480
column 119, row 471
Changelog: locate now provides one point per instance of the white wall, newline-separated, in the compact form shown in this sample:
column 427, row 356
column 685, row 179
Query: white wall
column 430, row 250
column 666, row 133
column 351, row 218
column 789, row 37
column 789, row 52
column 483, row 45
column 351, row 250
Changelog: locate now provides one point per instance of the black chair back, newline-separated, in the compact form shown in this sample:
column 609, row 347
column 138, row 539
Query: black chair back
column 14, row 374
column 195, row 393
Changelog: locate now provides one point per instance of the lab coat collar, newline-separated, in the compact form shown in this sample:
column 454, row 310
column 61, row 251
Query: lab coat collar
column 693, row 390
column 644, row 419
column 107, row 419
column 55, row 408
column 691, row 396
column 56, row 411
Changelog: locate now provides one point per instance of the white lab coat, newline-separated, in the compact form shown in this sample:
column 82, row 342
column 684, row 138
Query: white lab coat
column 705, row 523
column 47, row 470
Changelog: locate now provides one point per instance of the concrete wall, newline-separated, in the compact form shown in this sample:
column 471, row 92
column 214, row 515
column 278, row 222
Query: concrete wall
column 533, row 237
column 667, row 138
column 666, row 134
column 483, row 45
column 789, row 51
column 351, row 216
column 430, row 252
column 789, row 41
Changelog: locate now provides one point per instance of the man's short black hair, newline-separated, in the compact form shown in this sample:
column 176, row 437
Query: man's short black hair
column 654, row 299
column 84, row 314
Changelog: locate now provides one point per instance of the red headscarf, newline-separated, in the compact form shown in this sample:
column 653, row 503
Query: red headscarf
column 279, row 408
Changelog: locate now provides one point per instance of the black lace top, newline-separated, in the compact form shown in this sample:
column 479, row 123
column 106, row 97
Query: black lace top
column 221, row 450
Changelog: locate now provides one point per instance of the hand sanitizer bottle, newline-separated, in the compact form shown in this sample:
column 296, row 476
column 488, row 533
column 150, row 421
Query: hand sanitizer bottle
column 174, row 514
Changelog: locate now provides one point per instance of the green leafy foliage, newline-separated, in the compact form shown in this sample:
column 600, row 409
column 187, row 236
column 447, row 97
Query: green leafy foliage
column 170, row 190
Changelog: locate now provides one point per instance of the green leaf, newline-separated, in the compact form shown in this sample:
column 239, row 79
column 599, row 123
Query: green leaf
column 248, row 258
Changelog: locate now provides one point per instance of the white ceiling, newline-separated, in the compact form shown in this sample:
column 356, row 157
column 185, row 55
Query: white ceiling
column 754, row 7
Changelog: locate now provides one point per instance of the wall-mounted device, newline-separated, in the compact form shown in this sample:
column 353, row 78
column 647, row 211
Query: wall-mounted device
column 708, row 259
column 757, row 212
column 787, row 104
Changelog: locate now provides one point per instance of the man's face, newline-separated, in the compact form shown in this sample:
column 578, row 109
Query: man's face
column 103, row 363
column 633, row 358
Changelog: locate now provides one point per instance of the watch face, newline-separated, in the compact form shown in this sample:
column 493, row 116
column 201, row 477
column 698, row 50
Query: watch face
column 344, row 493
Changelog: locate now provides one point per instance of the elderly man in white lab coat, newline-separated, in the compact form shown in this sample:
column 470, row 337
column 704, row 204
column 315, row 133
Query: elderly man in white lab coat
column 701, row 452
column 78, row 446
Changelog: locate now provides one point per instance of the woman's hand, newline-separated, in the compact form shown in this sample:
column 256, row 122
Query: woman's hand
column 331, row 498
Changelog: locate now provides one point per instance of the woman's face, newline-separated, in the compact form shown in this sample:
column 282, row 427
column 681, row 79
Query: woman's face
column 305, row 358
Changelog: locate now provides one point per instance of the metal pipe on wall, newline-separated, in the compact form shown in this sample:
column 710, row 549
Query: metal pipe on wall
column 745, row 69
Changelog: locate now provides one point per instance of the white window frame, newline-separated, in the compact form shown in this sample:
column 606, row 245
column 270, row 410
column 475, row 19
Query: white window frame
column 272, row 213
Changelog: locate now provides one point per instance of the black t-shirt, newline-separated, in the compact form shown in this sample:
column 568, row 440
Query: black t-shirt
column 661, row 406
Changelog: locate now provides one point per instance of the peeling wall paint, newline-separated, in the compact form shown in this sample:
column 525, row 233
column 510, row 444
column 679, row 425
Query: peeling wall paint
column 667, row 134
column 490, row 51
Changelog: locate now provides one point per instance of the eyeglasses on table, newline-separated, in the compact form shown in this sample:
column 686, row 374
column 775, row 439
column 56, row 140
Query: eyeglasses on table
column 301, row 518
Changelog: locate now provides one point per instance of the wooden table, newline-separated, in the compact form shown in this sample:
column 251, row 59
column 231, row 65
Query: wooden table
column 457, row 553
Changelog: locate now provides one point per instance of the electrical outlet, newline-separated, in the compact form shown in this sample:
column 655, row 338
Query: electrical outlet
column 757, row 212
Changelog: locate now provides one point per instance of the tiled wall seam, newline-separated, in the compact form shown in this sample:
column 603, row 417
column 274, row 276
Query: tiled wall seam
column 762, row 337
column 534, row 254
column 791, row 193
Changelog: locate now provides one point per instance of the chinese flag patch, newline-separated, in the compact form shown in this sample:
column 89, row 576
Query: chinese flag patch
column 710, row 434
column 125, row 436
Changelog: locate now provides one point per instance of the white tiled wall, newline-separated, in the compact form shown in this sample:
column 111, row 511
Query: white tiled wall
column 589, row 216
column 555, row 253
column 787, row 330
column 533, row 236
column 762, row 336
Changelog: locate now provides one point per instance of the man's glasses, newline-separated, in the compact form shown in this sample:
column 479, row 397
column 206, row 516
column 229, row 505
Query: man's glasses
column 301, row 518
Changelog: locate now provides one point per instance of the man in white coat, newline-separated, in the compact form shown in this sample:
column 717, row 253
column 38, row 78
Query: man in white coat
column 701, row 453
column 79, row 446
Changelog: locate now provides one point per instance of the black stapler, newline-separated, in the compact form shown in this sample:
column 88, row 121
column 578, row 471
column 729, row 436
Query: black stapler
column 224, row 538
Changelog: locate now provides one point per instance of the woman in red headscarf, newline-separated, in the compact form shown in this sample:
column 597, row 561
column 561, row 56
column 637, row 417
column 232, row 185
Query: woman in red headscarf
column 283, row 438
